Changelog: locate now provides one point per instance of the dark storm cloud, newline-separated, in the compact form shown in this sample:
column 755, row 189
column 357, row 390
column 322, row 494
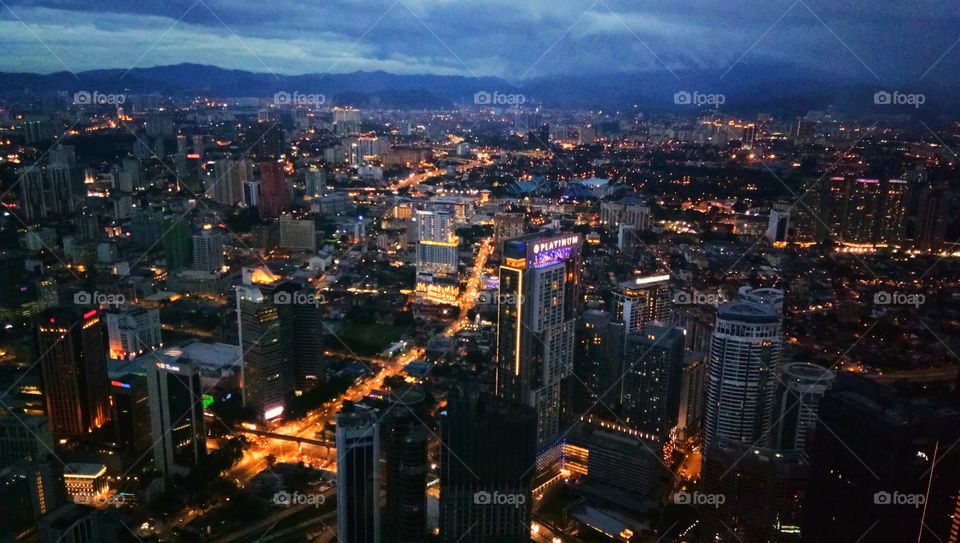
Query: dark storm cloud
column 509, row 38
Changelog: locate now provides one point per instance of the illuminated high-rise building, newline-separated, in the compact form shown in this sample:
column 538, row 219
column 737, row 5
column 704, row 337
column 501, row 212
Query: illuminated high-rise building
column 267, row 342
column 437, row 260
column 745, row 354
column 642, row 300
column 132, row 331
column 176, row 416
column 225, row 185
column 652, row 373
column 208, row 249
column 539, row 283
column 74, row 370
column 358, row 477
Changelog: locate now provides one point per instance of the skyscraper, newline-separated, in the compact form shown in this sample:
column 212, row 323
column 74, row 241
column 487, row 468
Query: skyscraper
column 267, row 342
column 132, row 331
column 176, row 244
column 315, row 182
column 404, row 436
column 358, row 477
column 274, row 196
column 74, row 370
column 597, row 366
column 437, row 256
column 745, row 352
column 23, row 436
column 225, row 186
column 539, row 282
column 888, row 459
column 642, row 300
column 801, row 388
column 176, row 416
column 486, row 470
column 652, row 373
column 208, row 250
column 131, row 413
column 763, row 494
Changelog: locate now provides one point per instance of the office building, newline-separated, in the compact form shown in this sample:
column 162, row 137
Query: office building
column 358, row 477
column 800, row 389
column 70, row 523
column 225, row 185
column 267, row 341
column 744, row 358
column 404, row 436
column 176, row 417
column 763, row 494
column 23, row 436
column 74, row 371
column 208, row 250
column 539, row 281
column 612, row 463
column 146, row 229
column 597, row 367
column 131, row 413
column 436, row 257
column 297, row 234
column 84, row 482
column 630, row 212
column 641, row 300
column 693, row 392
column 132, row 331
column 486, row 469
column 877, row 453
column 274, row 195
column 652, row 376
column 177, row 244
column 315, row 182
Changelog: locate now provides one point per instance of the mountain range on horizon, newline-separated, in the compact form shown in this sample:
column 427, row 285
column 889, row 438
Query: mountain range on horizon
column 775, row 89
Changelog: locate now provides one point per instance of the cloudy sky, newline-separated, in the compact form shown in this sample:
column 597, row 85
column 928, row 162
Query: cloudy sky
column 515, row 39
